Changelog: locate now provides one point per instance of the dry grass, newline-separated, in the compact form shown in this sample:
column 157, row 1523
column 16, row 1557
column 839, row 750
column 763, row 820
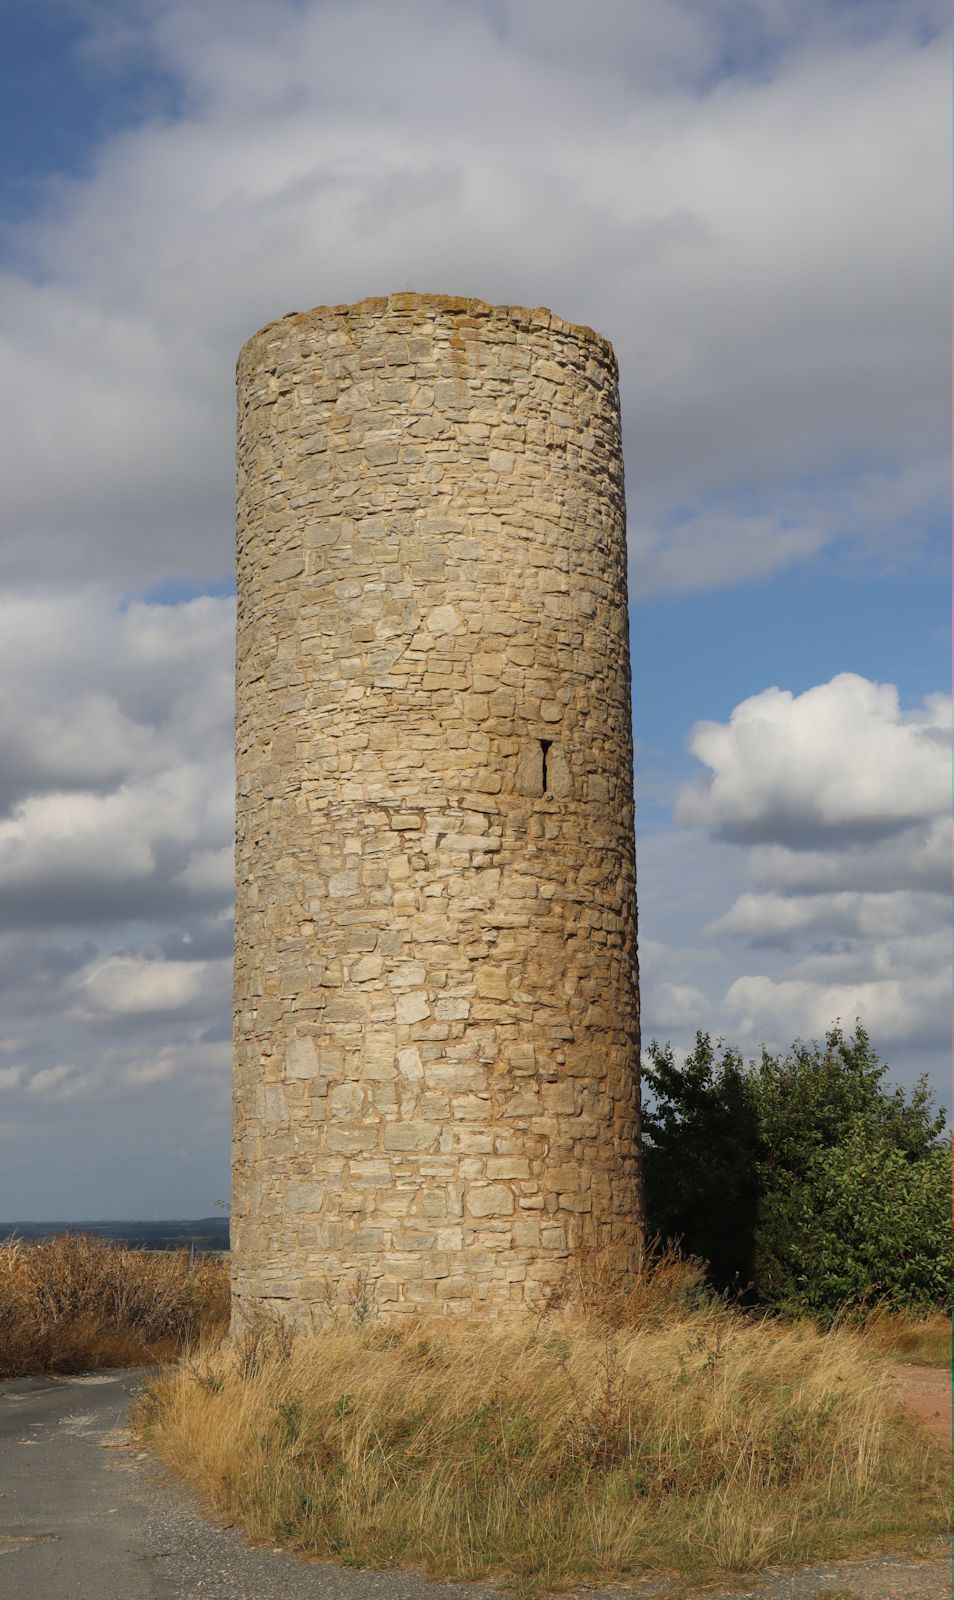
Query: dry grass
column 73, row 1302
column 631, row 1432
column 923, row 1340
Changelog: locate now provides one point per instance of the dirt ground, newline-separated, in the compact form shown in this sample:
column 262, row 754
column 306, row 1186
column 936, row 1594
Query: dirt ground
column 926, row 1391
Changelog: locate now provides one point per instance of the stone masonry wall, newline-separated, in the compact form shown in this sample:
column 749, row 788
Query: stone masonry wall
column 436, row 1004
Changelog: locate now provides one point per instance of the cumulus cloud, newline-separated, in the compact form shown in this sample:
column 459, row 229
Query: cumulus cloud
column 95, row 692
column 774, row 918
column 625, row 169
column 844, row 796
column 677, row 1005
column 839, row 762
column 910, row 1009
column 115, row 881
column 919, row 858
column 53, row 1083
column 209, row 870
column 128, row 811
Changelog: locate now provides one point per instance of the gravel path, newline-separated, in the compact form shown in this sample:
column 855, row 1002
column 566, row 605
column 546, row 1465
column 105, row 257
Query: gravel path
column 86, row 1515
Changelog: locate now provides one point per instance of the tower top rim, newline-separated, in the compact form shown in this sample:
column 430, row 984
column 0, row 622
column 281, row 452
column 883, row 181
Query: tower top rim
column 427, row 305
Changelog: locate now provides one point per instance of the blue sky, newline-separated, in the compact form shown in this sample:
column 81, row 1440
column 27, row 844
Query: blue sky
column 60, row 101
column 695, row 656
column 749, row 198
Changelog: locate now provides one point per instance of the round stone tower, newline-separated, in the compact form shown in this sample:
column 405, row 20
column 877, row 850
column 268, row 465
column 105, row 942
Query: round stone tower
column 436, row 1001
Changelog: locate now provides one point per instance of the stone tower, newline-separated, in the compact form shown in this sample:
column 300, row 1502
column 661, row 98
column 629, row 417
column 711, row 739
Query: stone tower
column 436, row 1002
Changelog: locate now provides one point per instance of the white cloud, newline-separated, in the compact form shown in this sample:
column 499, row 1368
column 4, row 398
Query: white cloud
column 117, row 728
column 840, row 761
column 774, row 918
column 846, row 795
column 202, row 1064
column 721, row 541
column 80, row 857
column 677, row 1005
column 117, row 681
column 131, row 986
column 724, row 225
column 711, row 548
column 907, row 1010
column 115, row 902
column 919, row 858
column 53, row 1083
column 82, row 837
column 210, row 869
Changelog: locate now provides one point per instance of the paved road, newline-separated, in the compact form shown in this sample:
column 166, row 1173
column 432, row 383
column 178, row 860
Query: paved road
column 85, row 1515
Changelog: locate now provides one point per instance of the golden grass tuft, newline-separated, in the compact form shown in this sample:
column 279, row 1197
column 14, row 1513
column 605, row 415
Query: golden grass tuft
column 924, row 1339
column 73, row 1302
column 652, row 1430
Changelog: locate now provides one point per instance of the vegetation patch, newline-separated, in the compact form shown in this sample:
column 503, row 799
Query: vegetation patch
column 922, row 1341
column 651, row 1429
column 73, row 1302
column 806, row 1181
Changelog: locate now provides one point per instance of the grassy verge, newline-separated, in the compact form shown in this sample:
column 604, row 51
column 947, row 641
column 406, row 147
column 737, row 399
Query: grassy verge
column 652, row 1432
column 924, row 1340
column 74, row 1302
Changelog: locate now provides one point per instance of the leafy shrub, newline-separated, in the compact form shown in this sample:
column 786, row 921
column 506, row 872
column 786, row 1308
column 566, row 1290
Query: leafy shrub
column 804, row 1179
column 874, row 1226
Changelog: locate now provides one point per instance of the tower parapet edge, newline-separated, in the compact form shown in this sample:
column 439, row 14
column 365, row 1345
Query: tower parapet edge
column 436, row 1095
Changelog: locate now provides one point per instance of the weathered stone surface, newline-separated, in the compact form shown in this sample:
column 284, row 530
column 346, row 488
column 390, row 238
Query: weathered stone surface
column 436, row 1007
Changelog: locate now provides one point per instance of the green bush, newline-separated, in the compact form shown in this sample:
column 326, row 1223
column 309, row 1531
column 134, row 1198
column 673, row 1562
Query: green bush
column 875, row 1228
column 804, row 1180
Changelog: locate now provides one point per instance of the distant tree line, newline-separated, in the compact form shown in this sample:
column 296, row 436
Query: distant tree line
column 205, row 1234
column 805, row 1180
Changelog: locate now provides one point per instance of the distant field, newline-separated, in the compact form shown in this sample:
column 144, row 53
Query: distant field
column 207, row 1233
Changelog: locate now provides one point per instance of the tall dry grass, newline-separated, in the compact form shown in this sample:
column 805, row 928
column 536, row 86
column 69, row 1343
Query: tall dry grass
column 643, row 1431
column 73, row 1301
column 923, row 1339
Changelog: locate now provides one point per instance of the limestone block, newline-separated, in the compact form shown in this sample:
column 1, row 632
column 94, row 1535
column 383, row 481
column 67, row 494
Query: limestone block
column 348, row 1139
column 409, row 1063
column 490, row 1200
column 411, row 1135
column 412, row 1007
column 492, row 983
column 345, row 1100
column 301, row 1059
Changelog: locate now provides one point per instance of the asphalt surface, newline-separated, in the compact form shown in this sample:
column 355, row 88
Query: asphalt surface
column 86, row 1515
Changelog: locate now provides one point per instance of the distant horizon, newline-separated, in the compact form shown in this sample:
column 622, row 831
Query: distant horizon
column 78, row 1222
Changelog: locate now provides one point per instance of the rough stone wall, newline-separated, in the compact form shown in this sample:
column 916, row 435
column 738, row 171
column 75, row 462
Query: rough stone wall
column 436, row 1003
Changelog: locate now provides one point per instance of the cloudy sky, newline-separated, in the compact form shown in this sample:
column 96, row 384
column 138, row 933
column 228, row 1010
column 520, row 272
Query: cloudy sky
column 749, row 198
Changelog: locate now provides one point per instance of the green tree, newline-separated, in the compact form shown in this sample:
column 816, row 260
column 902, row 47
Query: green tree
column 804, row 1176
column 701, row 1156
